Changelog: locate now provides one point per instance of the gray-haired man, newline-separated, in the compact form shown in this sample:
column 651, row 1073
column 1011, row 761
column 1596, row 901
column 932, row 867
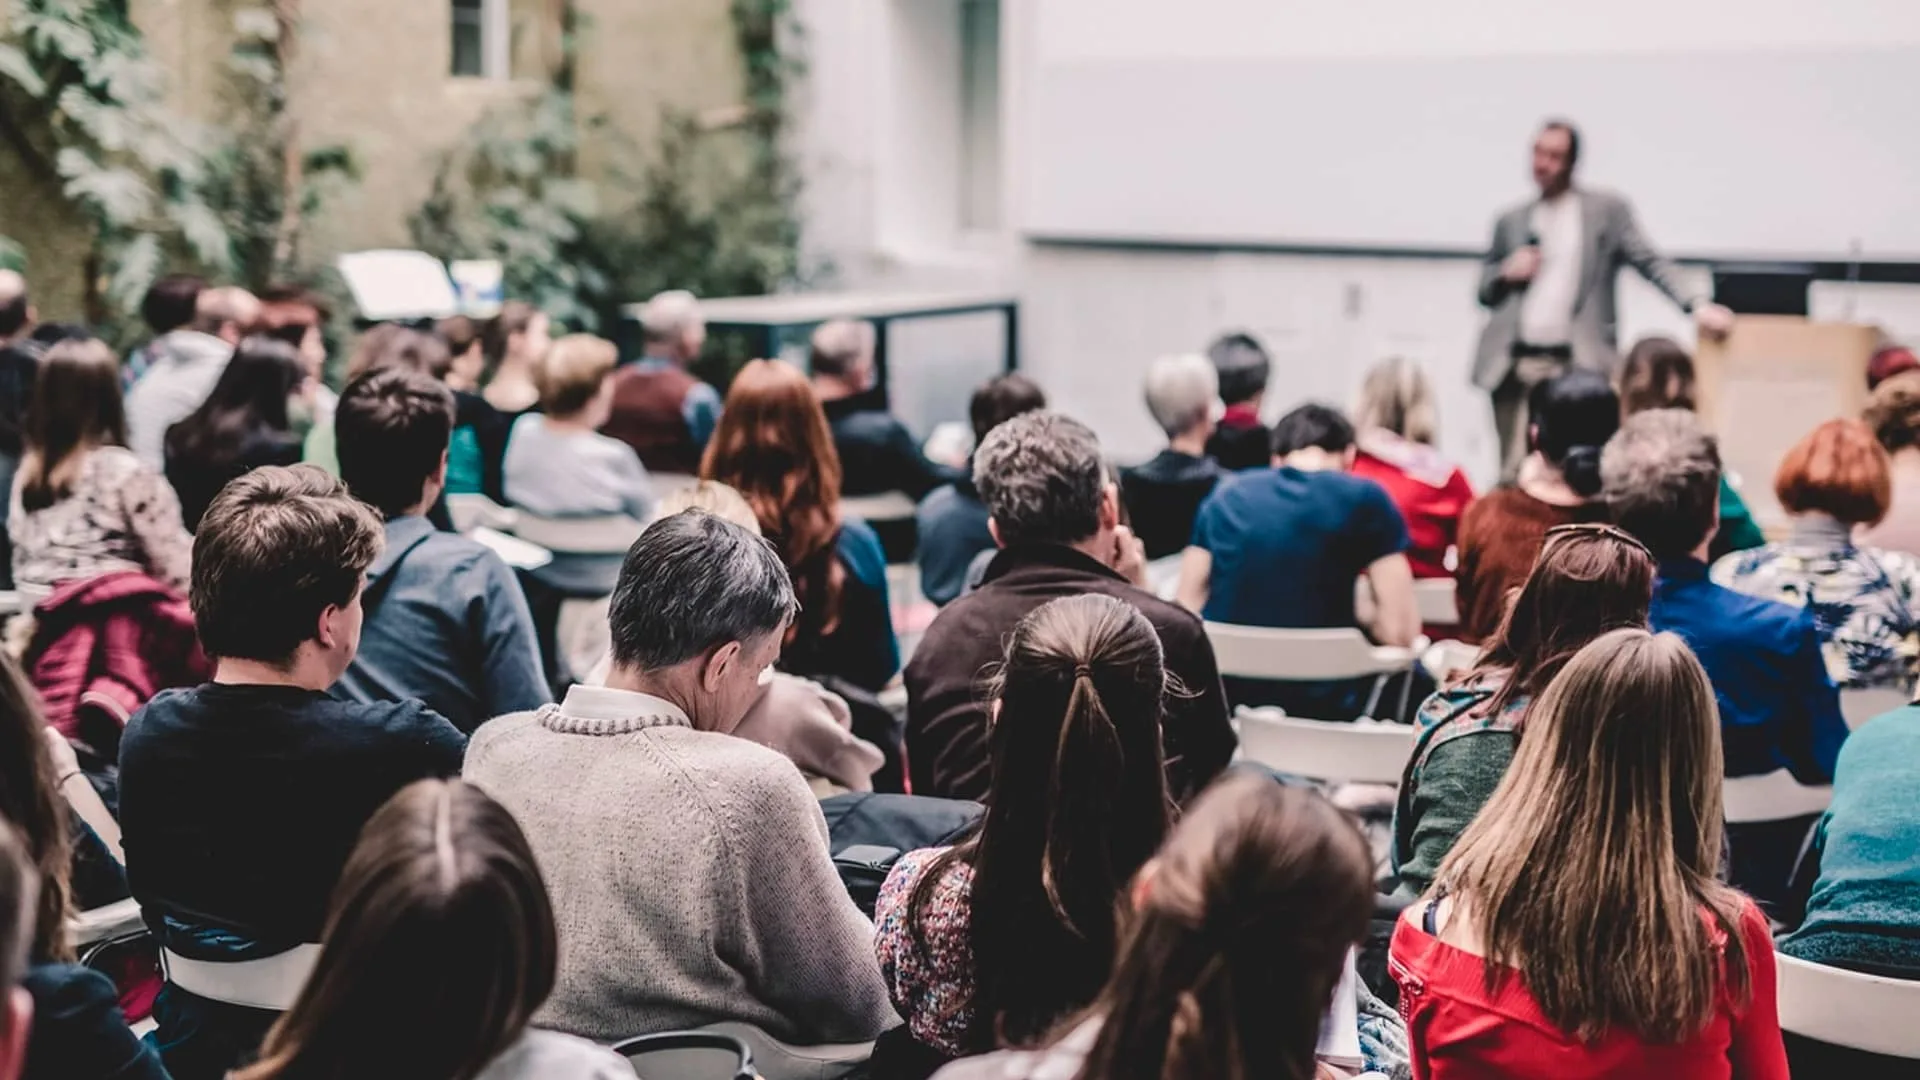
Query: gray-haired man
column 689, row 869
column 1055, row 513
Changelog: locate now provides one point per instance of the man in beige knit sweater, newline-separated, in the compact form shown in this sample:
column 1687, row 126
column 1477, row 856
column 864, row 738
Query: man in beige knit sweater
column 689, row 869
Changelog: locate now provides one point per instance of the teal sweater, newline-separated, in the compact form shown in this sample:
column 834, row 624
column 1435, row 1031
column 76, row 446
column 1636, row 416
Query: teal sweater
column 1864, row 913
column 1459, row 758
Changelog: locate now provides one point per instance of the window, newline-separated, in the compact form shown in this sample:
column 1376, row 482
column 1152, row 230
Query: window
column 980, row 114
column 480, row 47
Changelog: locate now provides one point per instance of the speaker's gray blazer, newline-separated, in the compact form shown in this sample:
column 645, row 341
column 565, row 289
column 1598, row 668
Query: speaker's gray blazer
column 1610, row 239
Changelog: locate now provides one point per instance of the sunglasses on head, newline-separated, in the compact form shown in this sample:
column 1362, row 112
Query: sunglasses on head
column 1600, row 529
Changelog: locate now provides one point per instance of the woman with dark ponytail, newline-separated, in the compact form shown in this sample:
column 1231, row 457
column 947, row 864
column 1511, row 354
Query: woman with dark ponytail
column 991, row 942
column 1572, row 416
column 1232, row 951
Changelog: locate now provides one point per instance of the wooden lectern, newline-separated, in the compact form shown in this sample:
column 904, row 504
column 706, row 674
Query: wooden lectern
column 1769, row 383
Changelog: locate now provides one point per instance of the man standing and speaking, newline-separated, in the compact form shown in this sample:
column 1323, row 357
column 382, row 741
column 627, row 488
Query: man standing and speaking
column 1549, row 281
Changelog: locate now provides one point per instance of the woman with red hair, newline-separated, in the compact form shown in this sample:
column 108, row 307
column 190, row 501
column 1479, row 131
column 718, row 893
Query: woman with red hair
column 773, row 445
column 1865, row 601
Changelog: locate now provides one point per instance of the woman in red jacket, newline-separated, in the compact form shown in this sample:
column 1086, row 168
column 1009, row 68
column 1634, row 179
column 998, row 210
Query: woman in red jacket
column 1577, row 930
column 1397, row 423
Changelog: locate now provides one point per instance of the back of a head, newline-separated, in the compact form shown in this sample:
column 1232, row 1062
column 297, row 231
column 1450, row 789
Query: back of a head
column 1589, row 867
column 275, row 549
column 250, row 396
column 666, row 317
column 225, row 308
column 1396, row 397
column 76, row 407
column 31, row 802
column 16, row 307
column 171, row 302
column 841, row 347
column 19, row 900
column 1656, row 373
column 1312, row 426
column 1839, row 470
column 1888, row 362
column 514, row 317
column 692, row 583
column 459, row 332
column 393, row 345
column 999, row 400
column 1586, row 581
column 1243, row 366
column 1181, row 392
column 1573, row 416
column 440, row 946
column 1661, row 474
column 1078, row 803
column 1893, row 412
column 1237, row 940
column 773, row 445
column 392, row 427
column 1043, row 479
column 712, row 497
column 569, row 376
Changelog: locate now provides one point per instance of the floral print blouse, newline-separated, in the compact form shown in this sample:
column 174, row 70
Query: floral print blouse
column 120, row 515
column 1865, row 601
column 931, row 987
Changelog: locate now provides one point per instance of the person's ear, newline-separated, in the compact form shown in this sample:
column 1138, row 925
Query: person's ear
column 993, row 530
column 1142, row 890
column 440, row 473
column 1109, row 506
column 719, row 664
column 1347, row 457
column 327, row 632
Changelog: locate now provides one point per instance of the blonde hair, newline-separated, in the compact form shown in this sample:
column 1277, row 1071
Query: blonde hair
column 1589, row 870
column 1397, row 397
column 571, row 372
column 713, row 497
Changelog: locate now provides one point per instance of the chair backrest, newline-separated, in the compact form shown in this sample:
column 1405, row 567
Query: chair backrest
column 886, row 506
column 1774, row 796
column 116, row 920
column 1434, row 599
column 1860, row 706
column 1259, row 652
column 666, row 483
column 1362, row 751
column 1845, row 1008
column 612, row 534
column 471, row 511
column 733, row 1050
column 1444, row 658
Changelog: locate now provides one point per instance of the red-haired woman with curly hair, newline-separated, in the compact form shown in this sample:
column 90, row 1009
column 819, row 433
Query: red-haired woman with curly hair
column 773, row 446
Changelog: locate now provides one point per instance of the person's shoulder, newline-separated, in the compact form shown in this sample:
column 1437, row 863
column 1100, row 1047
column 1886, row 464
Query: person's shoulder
column 406, row 721
column 502, row 729
column 1762, row 620
column 539, row 1054
column 114, row 463
column 161, row 710
column 65, row 992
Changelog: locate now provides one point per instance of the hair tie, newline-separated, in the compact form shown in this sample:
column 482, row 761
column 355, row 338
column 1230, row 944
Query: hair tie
column 1082, row 671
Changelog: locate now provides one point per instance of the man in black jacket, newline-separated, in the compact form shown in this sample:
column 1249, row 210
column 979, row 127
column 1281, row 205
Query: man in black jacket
column 877, row 452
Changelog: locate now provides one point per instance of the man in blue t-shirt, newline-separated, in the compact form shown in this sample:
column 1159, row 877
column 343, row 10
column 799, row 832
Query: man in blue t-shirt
column 1283, row 547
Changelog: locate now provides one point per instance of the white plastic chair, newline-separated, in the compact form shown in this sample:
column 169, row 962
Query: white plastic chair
column 763, row 1055
column 1774, row 796
column 1434, row 599
column 1443, row 658
column 665, row 484
column 1860, row 706
column 105, row 923
column 1845, row 1008
column 612, row 534
column 471, row 511
column 886, row 506
column 1320, row 655
column 1363, row 752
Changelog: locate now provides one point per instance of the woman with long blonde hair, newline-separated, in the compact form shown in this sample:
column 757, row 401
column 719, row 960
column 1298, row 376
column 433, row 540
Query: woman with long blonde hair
column 1578, row 929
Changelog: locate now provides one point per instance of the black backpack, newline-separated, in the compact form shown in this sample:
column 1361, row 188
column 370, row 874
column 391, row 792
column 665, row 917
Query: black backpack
column 868, row 833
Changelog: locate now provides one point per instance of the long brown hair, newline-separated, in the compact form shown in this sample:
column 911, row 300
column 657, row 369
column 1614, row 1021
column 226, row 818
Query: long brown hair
column 30, row 799
column 1656, row 373
column 439, row 948
column 76, row 408
column 1588, row 579
column 1237, row 939
column 1077, row 804
column 773, row 445
column 1590, row 869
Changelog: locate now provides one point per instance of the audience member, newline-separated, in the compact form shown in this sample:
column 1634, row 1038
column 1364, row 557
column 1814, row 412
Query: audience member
column 19, row 365
column 952, row 521
column 1865, row 602
column 79, row 1032
column 1241, row 440
column 1577, row 929
column 773, row 446
column 1397, row 421
column 737, row 914
column 992, row 941
column 1777, row 707
column 663, row 412
column 186, row 364
column 244, row 423
column 478, row 451
column 19, row 893
column 298, row 316
column 440, row 946
column 1283, row 546
column 443, row 619
column 1657, row 373
column 1056, row 516
column 242, row 798
column 1890, row 361
column 384, row 346
column 1231, row 950
column 877, row 452
column 1572, row 417
column 1588, row 580
column 1893, row 412
column 513, row 342
column 83, row 504
column 1164, row 493
column 170, row 304
column 557, row 463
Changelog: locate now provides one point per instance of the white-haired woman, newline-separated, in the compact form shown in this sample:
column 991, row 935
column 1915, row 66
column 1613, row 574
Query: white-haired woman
column 1164, row 493
column 1397, row 423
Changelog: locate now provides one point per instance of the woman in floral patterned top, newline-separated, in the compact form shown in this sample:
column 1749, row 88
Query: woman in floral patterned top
column 991, row 942
column 1587, row 580
column 83, row 504
column 1866, row 602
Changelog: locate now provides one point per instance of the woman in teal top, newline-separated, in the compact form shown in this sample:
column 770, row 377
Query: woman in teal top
column 1587, row 580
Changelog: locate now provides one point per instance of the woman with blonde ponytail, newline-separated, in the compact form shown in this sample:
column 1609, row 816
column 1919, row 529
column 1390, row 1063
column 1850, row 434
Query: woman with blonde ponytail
column 990, row 942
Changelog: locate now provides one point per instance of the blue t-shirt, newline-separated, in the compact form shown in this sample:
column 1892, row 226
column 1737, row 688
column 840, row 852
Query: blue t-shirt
column 1288, row 545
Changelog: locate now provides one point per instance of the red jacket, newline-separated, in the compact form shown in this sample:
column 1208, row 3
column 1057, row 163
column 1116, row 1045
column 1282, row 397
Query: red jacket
column 1430, row 492
column 1458, row 1030
column 102, row 647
